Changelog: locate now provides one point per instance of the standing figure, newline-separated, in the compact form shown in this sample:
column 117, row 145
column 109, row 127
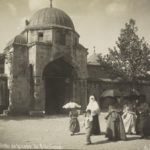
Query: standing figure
column 129, row 120
column 115, row 128
column 74, row 123
column 95, row 111
column 144, row 120
column 136, row 106
column 88, row 123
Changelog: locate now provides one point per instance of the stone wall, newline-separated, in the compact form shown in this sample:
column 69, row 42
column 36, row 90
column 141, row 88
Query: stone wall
column 95, row 71
column 97, row 87
column 80, row 58
column 41, row 54
column 33, row 36
column 18, row 84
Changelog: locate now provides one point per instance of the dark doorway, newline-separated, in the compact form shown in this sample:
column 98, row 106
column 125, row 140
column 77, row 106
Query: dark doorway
column 58, row 77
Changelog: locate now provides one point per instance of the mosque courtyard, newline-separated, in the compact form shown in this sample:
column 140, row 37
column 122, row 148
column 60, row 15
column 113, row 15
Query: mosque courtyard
column 51, row 132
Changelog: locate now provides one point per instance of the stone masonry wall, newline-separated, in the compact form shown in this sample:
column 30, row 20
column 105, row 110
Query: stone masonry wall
column 19, row 97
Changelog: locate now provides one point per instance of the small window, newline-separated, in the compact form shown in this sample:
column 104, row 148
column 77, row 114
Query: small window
column 40, row 36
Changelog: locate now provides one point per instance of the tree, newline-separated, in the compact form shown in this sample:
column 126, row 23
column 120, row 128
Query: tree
column 130, row 58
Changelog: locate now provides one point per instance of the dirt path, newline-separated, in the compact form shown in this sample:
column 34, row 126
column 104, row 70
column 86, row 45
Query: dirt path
column 52, row 133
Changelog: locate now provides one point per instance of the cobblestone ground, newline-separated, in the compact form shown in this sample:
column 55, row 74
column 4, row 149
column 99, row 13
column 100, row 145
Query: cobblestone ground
column 51, row 132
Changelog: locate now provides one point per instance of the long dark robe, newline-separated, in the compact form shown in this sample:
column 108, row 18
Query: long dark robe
column 115, row 128
column 143, row 120
column 137, row 123
column 96, row 126
column 74, row 123
column 143, row 126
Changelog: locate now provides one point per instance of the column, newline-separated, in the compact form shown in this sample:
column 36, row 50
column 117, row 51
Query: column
column 39, row 99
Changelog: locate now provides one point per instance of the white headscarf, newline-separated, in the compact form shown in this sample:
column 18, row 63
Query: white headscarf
column 93, row 106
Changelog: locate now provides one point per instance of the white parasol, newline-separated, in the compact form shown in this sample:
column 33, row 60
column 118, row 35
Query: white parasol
column 71, row 105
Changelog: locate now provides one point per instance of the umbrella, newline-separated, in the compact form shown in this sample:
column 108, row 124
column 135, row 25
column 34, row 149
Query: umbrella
column 111, row 93
column 71, row 105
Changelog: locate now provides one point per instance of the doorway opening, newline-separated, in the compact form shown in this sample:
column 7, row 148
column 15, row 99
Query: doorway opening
column 58, row 78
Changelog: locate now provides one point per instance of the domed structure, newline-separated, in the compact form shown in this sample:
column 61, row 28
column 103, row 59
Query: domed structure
column 50, row 17
column 18, row 39
column 93, row 59
column 44, row 63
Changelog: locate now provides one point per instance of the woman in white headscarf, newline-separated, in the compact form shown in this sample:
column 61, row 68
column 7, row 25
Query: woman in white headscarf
column 95, row 111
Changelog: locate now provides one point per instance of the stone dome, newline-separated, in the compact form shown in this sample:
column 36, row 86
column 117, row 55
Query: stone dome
column 18, row 39
column 50, row 17
column 93, row 59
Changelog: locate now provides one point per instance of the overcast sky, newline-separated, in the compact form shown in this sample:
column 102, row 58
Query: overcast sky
column 98, row 22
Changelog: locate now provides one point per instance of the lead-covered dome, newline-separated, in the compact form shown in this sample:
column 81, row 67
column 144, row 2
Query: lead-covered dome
column 50, row 17
column 93, row 59
column 18, row 39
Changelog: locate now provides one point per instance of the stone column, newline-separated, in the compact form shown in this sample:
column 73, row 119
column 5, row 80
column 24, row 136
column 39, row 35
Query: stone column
column 38, row 105
column 80, row 92
column 83, row 93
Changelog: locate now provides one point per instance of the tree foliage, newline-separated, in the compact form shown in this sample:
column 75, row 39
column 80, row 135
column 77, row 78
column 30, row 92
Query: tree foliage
column 129, row 59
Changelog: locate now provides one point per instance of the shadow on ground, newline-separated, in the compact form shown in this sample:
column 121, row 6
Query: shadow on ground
column 102, row 142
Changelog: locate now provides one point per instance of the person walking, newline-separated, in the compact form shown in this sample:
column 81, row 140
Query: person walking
column 88, row 123
column 95, row 111
column 74, row 123
column 115, row 129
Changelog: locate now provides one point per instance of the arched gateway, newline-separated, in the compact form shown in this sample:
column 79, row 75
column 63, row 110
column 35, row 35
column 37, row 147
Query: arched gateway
column 58, row 80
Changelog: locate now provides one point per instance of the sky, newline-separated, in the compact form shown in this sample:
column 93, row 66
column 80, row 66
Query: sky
column 98, row 22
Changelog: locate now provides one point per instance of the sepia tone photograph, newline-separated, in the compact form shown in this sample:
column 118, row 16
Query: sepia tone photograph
column 75, row 74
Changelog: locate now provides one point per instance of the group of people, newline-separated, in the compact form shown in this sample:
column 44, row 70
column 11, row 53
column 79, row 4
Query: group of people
column 136, row 118
column 133, row 119
column 91, row 120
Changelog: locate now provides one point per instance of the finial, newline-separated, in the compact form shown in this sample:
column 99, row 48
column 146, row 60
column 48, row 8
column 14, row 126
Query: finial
column 51, row 3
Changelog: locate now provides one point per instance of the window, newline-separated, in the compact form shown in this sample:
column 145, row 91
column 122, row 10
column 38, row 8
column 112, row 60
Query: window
column 40, row 37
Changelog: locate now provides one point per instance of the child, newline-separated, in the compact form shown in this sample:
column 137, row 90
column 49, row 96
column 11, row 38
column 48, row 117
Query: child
column 74, row 123
column 88, row 123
